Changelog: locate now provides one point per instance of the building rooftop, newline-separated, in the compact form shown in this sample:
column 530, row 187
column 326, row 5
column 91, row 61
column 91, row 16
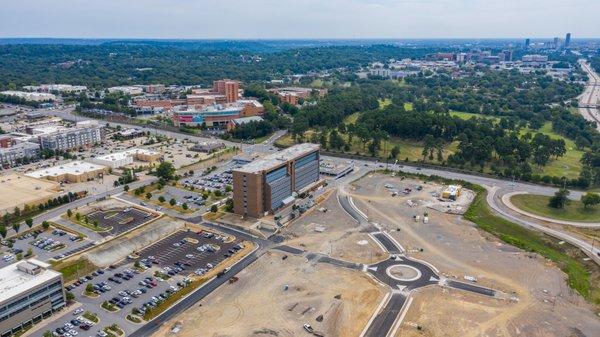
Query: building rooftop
column 116, row 156
column 278, row 158
column 75, row 167
column 14, row 279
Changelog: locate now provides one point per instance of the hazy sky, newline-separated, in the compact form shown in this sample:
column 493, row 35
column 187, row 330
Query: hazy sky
column 265, row 19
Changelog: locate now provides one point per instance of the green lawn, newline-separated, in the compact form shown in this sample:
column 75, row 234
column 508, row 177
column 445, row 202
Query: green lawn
column 582, row 276
column 538, row 204
column 71, row 270
column 568, row 165
column 408, row 149
column 467, row 115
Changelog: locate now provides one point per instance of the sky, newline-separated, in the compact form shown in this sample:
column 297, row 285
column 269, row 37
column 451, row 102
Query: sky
column 294, row 19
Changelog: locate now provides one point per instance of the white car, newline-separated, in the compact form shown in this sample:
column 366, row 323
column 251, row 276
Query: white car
column 77, row 311
column 101, row 334
column 73, row 332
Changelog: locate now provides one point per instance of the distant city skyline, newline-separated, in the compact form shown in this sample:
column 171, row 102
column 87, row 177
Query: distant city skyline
column 299, row 19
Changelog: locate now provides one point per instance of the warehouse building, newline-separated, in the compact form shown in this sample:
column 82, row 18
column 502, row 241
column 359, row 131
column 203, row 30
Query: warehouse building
column 73, row 172
column 29, row 292
column 268, row 184
column 120, row 159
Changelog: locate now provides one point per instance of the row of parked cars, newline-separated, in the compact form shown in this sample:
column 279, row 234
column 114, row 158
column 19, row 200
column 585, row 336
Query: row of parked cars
column 211, row 183
column 84, row 279
column 156, row 300
column 68, row 329
column 46, row 243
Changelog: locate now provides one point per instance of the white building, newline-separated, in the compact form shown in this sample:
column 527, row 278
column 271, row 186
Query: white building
column 29, row 291
column 62, row 88
column 127, row 90
column 30, row 96
column 121, row 159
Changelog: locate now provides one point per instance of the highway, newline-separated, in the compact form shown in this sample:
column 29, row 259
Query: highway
column 588, row 100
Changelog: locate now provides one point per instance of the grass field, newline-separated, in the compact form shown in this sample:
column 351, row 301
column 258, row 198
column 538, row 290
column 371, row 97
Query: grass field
column 538, row 204
column 72, row 270
column 583, row 276
column 568, row 165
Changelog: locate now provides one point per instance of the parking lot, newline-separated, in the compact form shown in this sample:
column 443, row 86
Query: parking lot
column 129, row 289
column 188, row 252
column 211, row 182
column 44, row 245
column 120, row 220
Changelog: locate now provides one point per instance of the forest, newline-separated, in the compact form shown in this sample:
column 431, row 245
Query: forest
column 111, row 64
column 502, row 136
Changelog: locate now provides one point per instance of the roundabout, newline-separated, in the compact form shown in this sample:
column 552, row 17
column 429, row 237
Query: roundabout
column 403, row 273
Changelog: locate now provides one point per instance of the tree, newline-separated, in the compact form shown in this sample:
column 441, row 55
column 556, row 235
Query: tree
column 3, row 232
column 69, row 296
column 161, row 199
column 148, row 195
column 78, row 216
column 229, row 205
column 69, row 212
column 395, row 152
column 165, row 170
column 184, row 206
column 16, row 226
column 45, row 225
column 126, row 188
column 590, row 199
column 29, row 222
column 48, row 333
column 89, row 288
column 172, row 202
column 214, row 208
column 560, row 199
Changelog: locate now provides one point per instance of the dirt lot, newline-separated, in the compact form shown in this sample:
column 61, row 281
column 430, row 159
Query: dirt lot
column 258, row 305
column 546, row 306
column 333, row 232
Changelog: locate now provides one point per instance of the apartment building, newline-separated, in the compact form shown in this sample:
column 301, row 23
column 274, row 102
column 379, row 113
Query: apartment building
column 268, row 184
column 82, row 135
column 29, row 292
column 19, row 153
column 228, row 88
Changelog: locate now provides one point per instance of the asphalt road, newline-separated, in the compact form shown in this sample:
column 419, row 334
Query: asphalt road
column 387, row 316
column 471, row 287
column 189, row 301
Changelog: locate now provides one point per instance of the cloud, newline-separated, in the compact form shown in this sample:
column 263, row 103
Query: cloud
column 298, row 18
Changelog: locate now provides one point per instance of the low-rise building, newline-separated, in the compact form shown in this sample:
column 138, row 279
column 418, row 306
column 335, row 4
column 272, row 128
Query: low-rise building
column 29, row 292
column 208, row 146
column 217, row 115
column 63, row 139
column 126, row 90
column 30, row 96
column 124, row 158
column 73, row 172
column 234, row 123
column 19, row 153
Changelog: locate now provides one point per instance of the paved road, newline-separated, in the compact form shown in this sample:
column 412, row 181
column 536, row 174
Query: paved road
column 55, row 212
column 189, row 301
column 588, row 100
column 387, row 316
column 497, row 187
column 470, row 287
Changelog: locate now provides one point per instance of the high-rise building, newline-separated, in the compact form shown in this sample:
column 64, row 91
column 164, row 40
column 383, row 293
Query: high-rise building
column 230, row 89
column 29, row 292
column 567, row 40
column 267, row 185
column 527, row 42
column 19, row 153
column 556, row 42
